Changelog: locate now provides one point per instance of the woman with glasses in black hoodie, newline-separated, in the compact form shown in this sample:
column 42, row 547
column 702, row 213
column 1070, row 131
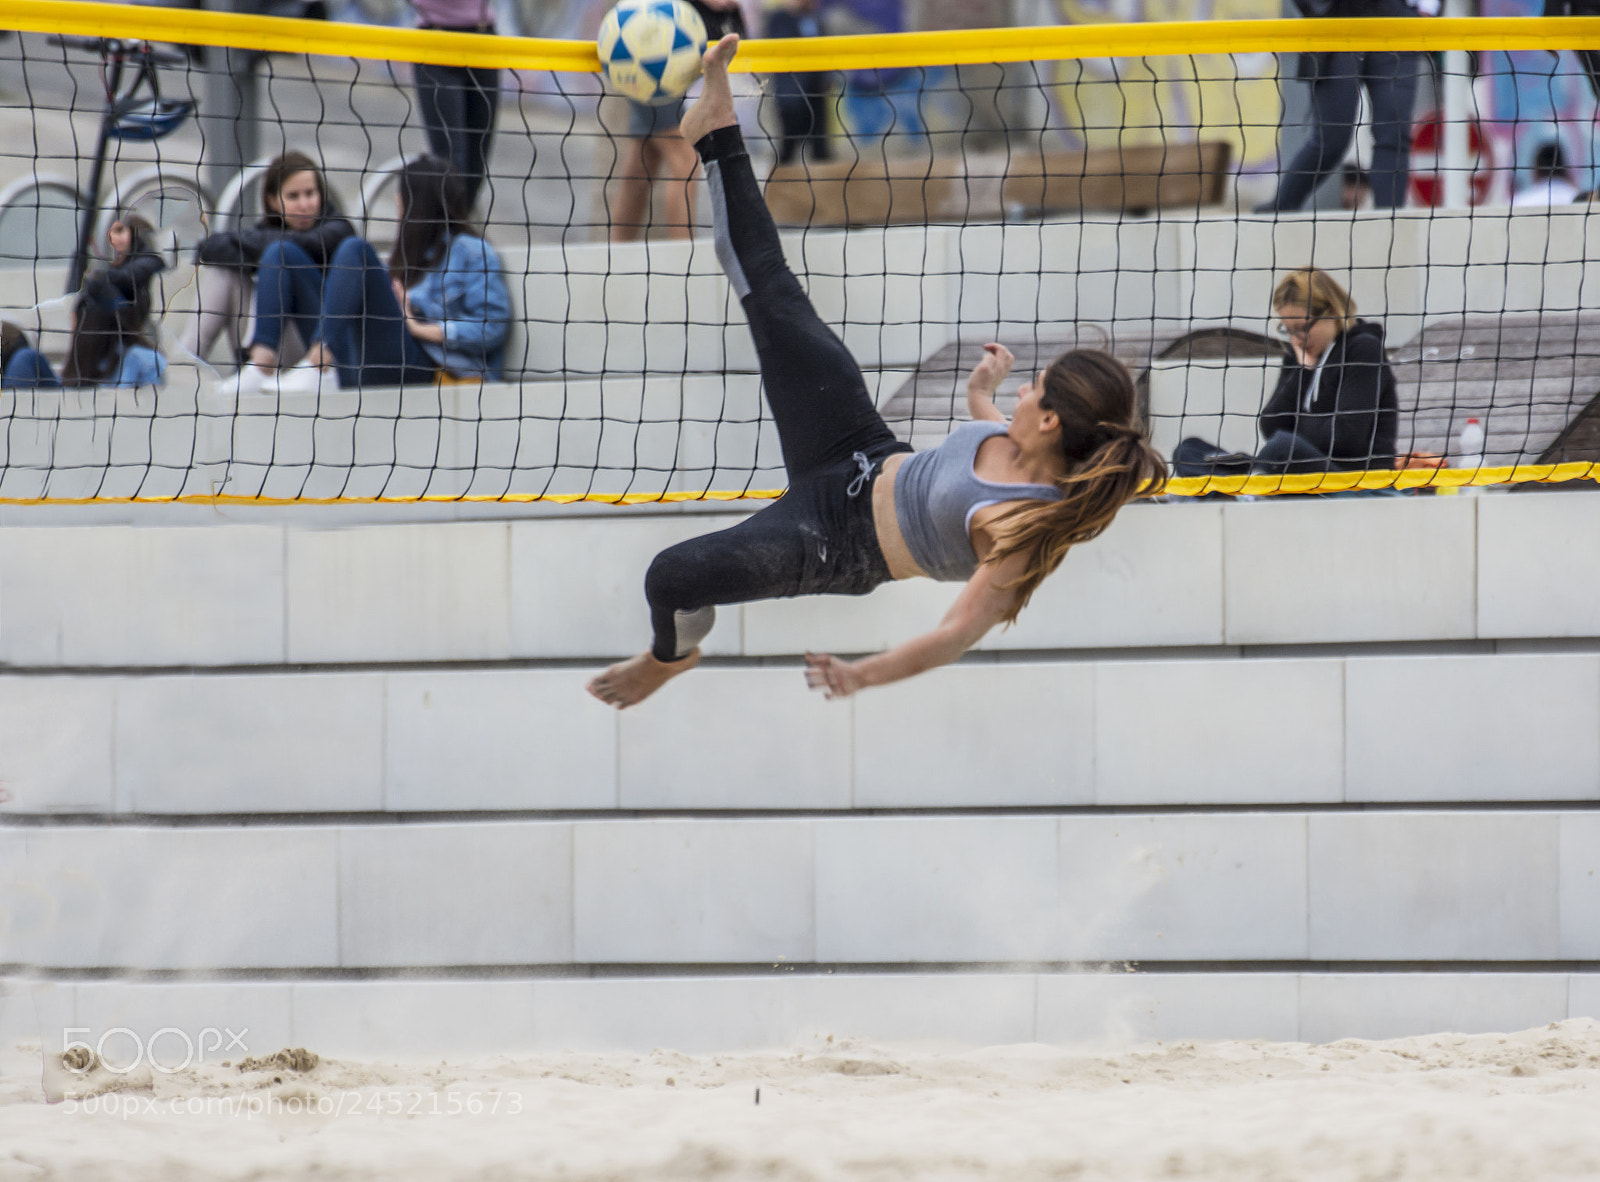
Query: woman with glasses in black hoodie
column 1334, row 407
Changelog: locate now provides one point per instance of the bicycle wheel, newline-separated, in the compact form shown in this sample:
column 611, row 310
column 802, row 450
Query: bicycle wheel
column 38, row 222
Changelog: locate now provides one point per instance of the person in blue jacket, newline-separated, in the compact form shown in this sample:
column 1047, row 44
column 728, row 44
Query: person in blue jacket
column 109, row 346
column 439, row 306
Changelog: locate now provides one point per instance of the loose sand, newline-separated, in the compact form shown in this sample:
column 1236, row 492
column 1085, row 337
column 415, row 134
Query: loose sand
column 1521, row 1106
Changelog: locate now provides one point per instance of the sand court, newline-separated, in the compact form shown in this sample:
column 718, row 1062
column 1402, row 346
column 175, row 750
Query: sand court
column 1513, row 1106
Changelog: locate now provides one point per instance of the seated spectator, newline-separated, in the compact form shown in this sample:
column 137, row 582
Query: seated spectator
column 109, row 345
column 284, row 256
column 1551, row 183
column 1334, row 407
column 440, row 307
column 131, row 248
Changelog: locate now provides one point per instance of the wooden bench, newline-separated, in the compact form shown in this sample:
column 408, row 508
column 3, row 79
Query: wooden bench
column 1533, row 382
column 990, row 186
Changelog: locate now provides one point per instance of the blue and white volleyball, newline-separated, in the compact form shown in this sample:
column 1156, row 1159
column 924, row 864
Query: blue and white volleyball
column 650, row 50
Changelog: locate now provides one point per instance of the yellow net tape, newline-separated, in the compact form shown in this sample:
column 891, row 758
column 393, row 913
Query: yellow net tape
column 955, row 47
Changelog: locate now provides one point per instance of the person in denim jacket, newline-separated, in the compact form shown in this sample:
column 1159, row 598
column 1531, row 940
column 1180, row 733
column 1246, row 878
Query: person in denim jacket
column 440, row 306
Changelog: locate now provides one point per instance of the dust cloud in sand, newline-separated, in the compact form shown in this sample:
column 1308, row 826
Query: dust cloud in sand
column 1515, row 1106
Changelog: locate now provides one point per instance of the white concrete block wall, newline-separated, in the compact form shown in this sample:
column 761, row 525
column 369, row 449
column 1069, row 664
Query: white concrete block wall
column 171, row 898
column 295, row 743
column 1393, row 1005
column 777, row 745
column 1425, row 886
column 402, row 1019
column 1393, row 887
column 1122, row 1007
column 57, row 738
column 456, row 894
column 159, row 596
column 1535, row 564
column 487, row 739
column 1236, row 732
column 1579, row 855
column 1400, row 569
column 976, row 735
column 1408, row 569
column 1425, row 728
column 1032, row 733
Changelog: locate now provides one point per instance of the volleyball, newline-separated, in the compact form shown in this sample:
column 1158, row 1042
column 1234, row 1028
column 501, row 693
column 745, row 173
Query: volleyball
column 650, row 50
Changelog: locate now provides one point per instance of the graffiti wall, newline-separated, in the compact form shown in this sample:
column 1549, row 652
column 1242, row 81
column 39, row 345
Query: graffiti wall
column 1529, row 99
column 1106, row 102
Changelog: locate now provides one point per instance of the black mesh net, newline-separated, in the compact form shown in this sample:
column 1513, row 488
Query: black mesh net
column 583, row 341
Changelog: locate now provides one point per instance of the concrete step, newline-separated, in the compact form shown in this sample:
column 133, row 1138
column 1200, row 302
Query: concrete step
column 1271, row 573
column 1511, row 886
column 392, row 1019
column 982, row 734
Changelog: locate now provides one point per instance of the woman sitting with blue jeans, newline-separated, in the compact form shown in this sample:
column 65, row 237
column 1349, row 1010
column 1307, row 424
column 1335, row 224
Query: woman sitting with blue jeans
column 109, row 346
column 439, row 307
column 275, row 268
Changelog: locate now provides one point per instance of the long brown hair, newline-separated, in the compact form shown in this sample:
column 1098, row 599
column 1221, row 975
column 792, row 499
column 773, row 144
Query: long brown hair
column 111, row 313
column 434, row 208
column 1109, row 463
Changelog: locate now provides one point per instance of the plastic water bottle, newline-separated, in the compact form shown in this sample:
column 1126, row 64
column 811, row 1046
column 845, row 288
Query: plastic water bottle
column 1469, row 451
column 1469, row 447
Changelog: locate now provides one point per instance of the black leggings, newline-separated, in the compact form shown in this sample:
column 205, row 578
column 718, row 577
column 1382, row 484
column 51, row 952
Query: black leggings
column 819, row 537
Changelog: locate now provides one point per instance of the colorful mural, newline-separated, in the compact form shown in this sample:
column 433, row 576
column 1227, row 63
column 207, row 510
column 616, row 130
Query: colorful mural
column 1107, row 102
column 1528, row 99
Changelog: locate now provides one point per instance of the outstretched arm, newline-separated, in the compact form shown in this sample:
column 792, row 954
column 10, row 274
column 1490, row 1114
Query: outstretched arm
column 983, row 603
column 985, row 380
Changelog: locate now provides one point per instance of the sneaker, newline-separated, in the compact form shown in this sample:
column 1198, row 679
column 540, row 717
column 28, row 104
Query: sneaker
column 249, row 380
column 306, row 379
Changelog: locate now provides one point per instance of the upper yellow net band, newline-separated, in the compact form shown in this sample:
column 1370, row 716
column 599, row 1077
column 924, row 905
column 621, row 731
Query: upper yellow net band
column 954, row 47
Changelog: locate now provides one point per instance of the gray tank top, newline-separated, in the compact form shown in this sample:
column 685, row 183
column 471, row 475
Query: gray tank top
column 936, row 493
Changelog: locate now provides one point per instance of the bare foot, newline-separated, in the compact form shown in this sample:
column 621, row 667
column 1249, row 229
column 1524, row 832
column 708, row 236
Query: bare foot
column 318, row 356
column 627, row 683
column 714, row 107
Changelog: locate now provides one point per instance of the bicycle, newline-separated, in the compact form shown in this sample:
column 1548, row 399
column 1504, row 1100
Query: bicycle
column 134, row 110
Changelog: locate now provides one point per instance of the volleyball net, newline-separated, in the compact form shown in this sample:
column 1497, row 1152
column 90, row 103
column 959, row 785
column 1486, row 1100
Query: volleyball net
column 1105, row 186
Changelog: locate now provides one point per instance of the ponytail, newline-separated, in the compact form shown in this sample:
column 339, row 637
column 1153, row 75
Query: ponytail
column 1110, row 462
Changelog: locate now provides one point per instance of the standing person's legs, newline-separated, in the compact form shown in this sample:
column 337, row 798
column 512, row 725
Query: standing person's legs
column 362, row 325
column 818, row 397
column 440, row 103
column 458, row 106
column 1391, row 80
column 480, row 106
column 677, row 165
column 794, row 117
column 632, row 205
column 650, row 132
column 1335, row 100
column 817, row 129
